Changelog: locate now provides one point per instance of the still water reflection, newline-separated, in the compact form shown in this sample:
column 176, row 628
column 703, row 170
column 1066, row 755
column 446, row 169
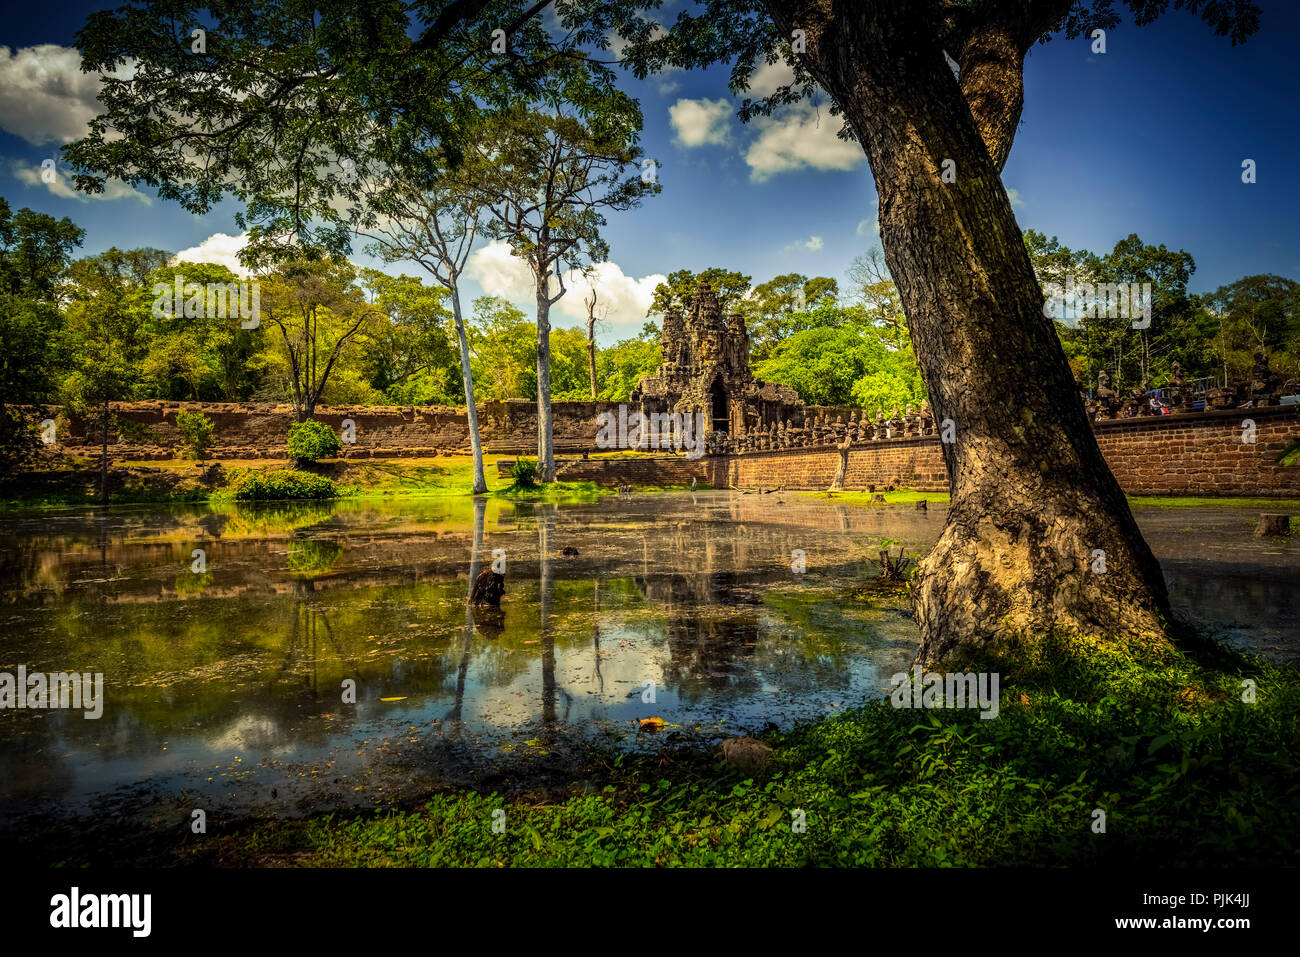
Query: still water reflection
column 224, row 678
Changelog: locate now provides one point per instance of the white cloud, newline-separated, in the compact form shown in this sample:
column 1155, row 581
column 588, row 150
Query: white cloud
column 803, row 137
column 769, row 77
column 700, row 122
column 814, row 243
column 61, row 185
column 44, row 96
column 621, row 299
column 500, row 273
column 1014, row 196
column 219, row 248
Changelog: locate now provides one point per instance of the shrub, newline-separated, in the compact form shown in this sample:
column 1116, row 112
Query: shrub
column 196, row 433
column 312, row 440
column 524, row 472
column 283, row 484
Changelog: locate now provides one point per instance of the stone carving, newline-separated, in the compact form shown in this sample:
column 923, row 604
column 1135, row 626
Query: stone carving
column 1107, row 399
column 1264, row 383
column 705, row 368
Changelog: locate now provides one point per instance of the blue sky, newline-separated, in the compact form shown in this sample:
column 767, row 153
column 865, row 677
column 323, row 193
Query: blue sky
column 1148, row 138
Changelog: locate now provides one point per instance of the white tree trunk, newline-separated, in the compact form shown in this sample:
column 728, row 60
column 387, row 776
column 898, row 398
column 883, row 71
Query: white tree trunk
column 471, row 410
column 545, row 431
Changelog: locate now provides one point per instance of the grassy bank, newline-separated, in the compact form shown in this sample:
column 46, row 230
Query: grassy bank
column 181, row 481
column 1184, row 770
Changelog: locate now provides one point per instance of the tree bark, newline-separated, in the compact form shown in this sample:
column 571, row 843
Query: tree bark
column 842, row 467
column 545, row 430
column 471, row 410
column 1033, row 501
column 591, row 341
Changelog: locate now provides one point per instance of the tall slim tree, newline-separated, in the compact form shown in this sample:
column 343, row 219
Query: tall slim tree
column 548, row 178
column 434, row 227
column 592, row 319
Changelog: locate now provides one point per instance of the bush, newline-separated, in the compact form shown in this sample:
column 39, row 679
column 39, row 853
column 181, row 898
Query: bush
column 196, row 433
column 283, row 484
column 312, row 440
column 524, row 472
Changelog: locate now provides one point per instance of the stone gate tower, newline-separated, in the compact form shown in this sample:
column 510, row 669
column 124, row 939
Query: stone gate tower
column 706, row 369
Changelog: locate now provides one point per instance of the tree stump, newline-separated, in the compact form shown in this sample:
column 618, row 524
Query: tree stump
column 1273, row 524
column 745, row 754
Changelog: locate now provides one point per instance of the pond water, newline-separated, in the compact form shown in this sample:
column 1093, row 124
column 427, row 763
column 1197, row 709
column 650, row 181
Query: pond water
column 224, row 686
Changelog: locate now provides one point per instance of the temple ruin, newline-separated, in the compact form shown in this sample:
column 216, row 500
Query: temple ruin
column 705, row 369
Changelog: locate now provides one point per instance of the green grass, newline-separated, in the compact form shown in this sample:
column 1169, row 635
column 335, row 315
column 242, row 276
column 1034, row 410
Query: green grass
column 1268, row 504
column 908, row 496
column 1185, row 771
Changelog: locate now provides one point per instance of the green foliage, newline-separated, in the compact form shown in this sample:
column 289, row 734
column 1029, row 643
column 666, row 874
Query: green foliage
column 34, row 253
column 524, row 473
column 358, row 85
column 729, row 286
column 841, row 357
column 312, row 440
column 787, row 304
column 621, row 366
column 408, row 357
column 504, row 344
column 313, row 556
column 204, row 357
column 196, row 432
column 282, row 484
column 1210, row 336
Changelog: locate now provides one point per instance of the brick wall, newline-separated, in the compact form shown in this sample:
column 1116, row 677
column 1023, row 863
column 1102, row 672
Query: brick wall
column 259, row 430
column 1202, row 453
column 914, row 463
column 1199, row 454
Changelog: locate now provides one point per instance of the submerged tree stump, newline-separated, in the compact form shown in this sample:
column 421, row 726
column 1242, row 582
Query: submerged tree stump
column 488, row 588
column 1273, row 524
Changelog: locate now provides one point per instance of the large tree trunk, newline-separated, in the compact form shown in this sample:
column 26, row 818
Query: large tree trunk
column 471, row 410
column 1033, row 501
column 545, row 426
